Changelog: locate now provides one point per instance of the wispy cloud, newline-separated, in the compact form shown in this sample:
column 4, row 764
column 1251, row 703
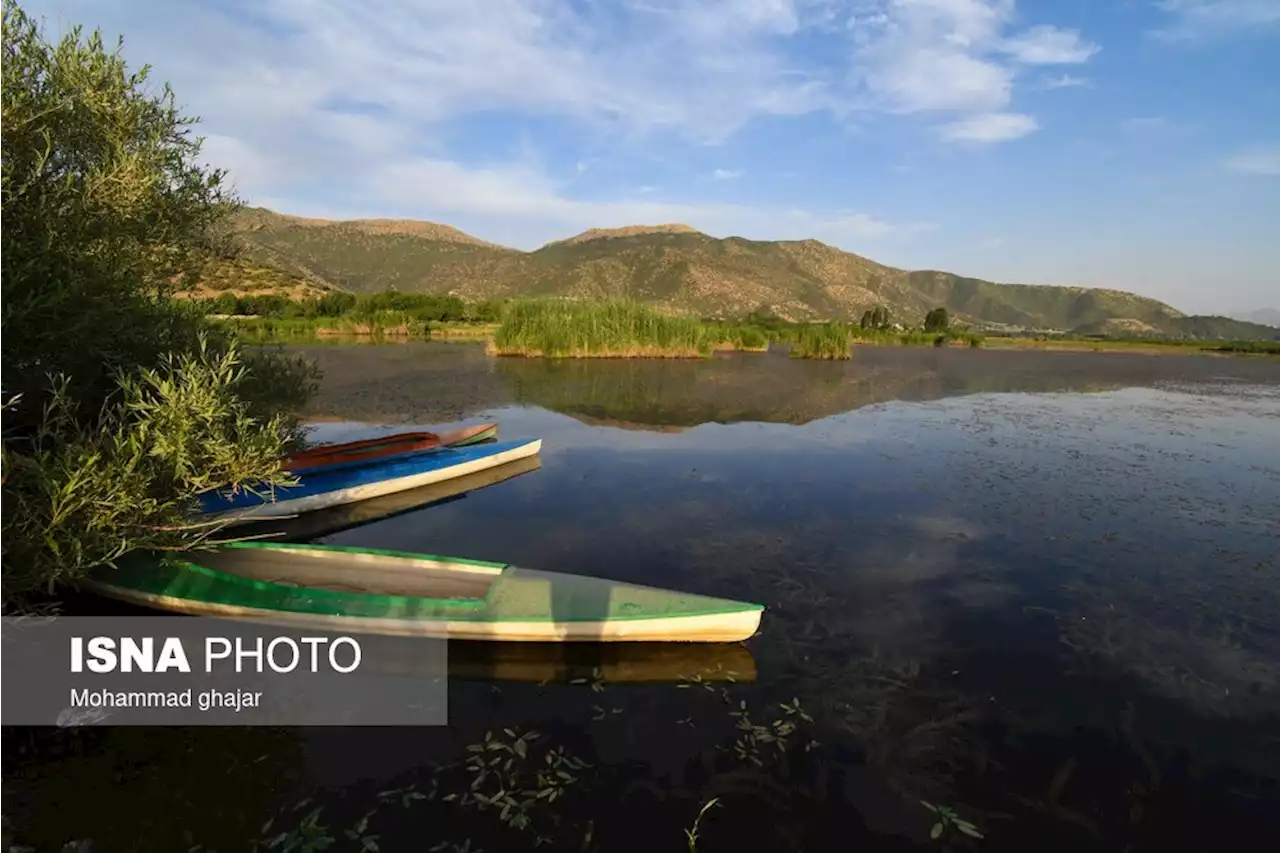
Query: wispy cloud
column 322, row 104
column 1144, row 124
column 989, row 127
column 726, row 174
column 1046, row 45
column 993, row 242
column 698, row 68
column 1261, row 160
column 533, row 208
column 1208, row 20
column 1065, row 81
column 958, row 57
column 1148, row 128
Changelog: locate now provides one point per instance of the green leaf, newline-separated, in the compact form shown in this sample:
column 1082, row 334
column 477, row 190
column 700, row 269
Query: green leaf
column 936, row 831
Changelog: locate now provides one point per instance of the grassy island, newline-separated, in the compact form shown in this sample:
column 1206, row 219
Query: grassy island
column 611, row 329
column 829, row 341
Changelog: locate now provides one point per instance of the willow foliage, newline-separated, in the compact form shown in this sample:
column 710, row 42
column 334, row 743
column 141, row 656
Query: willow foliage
column 120, row 404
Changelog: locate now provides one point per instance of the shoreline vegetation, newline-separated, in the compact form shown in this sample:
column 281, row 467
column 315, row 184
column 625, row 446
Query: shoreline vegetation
column 121, row 404
column 563, row 328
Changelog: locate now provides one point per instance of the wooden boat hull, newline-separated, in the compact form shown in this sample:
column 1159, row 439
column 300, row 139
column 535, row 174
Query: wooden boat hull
column 467, row 436
column 348, row 454
column 325, row 489
column 326, row 522
column 356, row 590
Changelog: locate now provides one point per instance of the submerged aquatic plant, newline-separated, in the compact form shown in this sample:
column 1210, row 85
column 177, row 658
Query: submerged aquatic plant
column 948, row 821
column 777, row 733
column 508, row 778
column 691, row 834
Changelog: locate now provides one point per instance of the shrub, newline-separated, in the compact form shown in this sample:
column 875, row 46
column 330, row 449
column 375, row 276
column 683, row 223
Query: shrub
column 937, row 320
column 120, row 402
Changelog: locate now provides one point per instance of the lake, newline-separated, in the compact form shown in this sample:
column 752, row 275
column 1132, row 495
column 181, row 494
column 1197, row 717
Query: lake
column 1040, row 590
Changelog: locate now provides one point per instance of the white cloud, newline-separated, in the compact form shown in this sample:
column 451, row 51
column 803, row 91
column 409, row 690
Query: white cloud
column 1046, row 45
column 934, row 56
column 627, row 69
column 698, row 67
column 726, row 174
column 1202, row 20
column 993, row 242
column 322, row 103
column 533, row 208
column 1143, row 124
column 927, row 55
column 858, row 226
column 1148, row 127
column 940, row 78
column 1262, row 160
column 989, row 127
column 1065, row 81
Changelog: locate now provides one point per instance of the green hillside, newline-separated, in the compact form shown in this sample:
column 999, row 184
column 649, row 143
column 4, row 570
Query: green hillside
column 1195, row 327
column 682, row 270
column 1226, row 327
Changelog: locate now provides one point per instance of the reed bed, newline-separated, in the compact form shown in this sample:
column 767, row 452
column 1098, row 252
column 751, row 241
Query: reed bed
column 828, row 341
column 611, row 329
column 740, row 338
column 267, row 329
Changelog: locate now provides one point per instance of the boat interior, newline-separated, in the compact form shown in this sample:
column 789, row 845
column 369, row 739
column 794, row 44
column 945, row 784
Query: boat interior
column 391, row 443
column 367, row 574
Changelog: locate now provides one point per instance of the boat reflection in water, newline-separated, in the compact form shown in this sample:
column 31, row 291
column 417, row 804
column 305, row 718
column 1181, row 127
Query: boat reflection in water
column 563, row 663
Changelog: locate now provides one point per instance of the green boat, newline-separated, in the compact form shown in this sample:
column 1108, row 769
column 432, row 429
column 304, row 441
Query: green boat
column 372, row 591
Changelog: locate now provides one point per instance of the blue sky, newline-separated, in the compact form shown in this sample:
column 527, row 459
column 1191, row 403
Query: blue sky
column 1113, row 143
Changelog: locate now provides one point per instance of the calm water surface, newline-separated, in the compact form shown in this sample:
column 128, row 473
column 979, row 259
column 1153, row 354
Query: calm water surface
column 1042, row 590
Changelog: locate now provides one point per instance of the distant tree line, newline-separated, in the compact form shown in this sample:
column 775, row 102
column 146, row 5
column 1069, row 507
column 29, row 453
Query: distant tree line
column 419, row 306
column 873, row 319
column 937, row 320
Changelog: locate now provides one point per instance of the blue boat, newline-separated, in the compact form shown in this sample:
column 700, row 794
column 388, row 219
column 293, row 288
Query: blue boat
column 329, row 488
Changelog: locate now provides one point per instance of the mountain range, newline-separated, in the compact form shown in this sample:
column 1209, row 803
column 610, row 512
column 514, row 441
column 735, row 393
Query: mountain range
column 1265, row 316
column 681, row 270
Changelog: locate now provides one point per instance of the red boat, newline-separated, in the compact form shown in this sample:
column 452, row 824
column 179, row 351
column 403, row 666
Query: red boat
column 384, row 448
